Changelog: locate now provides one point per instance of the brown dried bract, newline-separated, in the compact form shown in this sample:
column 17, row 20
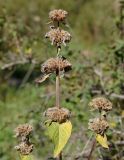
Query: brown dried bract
column 56, row 114
column 58, row 37
column 101, row 103
column 98, row 125
column 23, row 130
column 24, row 148
column 56, row 64
column 58, row 15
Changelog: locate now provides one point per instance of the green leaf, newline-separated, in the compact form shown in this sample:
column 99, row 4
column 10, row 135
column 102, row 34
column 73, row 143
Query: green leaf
column 26, row 157
column 102, row 140
column 59, row 134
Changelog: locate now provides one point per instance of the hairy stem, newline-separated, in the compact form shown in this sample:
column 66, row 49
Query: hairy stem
column 58, row 83
column 57, row 90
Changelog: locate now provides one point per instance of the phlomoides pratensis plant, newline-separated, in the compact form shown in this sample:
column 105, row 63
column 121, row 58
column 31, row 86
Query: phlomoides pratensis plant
column 99, row 125
column 25, row 147
column 58, row 125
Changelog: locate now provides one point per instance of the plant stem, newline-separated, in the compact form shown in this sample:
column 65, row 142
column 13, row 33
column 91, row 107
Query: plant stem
column 92, row 149
column 58, row 83
column 60, row 156
column 57, row 90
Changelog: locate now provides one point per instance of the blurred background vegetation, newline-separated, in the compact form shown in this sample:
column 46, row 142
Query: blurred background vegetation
column 97, row 55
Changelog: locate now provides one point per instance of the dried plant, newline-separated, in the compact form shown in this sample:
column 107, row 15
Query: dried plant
column 22, row 132
column 53, row 65
column 99, row 125
column 58, row 15
column 58, row 37
column 101, row 103
column 57, row 116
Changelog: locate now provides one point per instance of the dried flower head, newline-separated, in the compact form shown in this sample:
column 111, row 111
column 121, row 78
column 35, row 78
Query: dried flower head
column 101, row 103
column 56, row 64
column 23, row 130
column 58, row 15
column 98, row 125
column 24, row 148
column 58, row 37
column 56, row 114
column 53, row 65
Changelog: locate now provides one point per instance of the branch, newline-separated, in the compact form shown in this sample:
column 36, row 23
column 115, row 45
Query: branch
column 12, row 64
column 112, row 95
column 119, row 96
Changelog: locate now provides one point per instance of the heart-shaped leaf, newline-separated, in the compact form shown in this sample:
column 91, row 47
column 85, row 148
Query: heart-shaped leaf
column 59, row 134
column 102, row 140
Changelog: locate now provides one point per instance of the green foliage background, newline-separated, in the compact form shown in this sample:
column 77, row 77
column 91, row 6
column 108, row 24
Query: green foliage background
column 96, row 49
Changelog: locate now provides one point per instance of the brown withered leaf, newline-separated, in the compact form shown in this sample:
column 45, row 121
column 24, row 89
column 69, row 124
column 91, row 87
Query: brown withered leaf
column 42, row 78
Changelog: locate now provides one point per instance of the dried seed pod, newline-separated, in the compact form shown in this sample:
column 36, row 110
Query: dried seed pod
column 56, row 114
column 98, row 125
column 24, row 148
column 58, row 37
column 56, row 64
column 101, row 103
column 58, row 15
column 23, row 130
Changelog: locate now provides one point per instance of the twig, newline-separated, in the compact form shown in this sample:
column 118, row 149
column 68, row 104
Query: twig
column 92, row 149
column 83, row 151
column 112, row 95
column 26, row 77
column 18, row 62
column 9, row 65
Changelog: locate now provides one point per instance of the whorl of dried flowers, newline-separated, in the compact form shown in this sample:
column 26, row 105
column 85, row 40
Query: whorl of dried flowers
column 56, row 114
column 101, row 103
column 98, row 125
column 58, row 37
column 58, row 15
column 56, row 64
column 23, row 132
column 24, row 148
